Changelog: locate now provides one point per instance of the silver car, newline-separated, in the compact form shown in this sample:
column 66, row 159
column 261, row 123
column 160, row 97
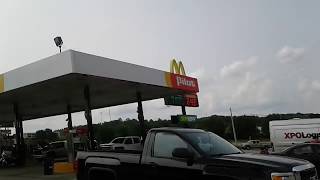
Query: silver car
column 123, row 143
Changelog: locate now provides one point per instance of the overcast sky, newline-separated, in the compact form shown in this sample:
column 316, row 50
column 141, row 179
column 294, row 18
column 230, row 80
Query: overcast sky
column 257, row 57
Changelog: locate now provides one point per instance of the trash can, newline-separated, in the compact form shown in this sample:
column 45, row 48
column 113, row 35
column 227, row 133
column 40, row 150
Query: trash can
column 48, row 163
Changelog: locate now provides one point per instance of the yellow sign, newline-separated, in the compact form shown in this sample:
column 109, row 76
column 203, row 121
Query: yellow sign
column 1, row 83
column 177, row 68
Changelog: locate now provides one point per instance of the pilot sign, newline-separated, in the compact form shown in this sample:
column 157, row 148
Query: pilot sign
column 177, row 79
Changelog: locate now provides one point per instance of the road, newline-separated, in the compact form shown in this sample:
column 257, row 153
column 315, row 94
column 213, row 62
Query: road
column 31, row 173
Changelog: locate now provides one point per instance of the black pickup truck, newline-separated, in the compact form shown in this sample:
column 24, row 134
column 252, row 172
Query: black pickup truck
column 176, row 153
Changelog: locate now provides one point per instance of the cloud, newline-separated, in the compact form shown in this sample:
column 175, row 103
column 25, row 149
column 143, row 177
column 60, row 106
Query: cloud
column 289, row 54
column 199, row 73
column 309, row 88
column 239, row 85
column 238, row 68
column 252, row 91
column 308, row 95
column 315, row 85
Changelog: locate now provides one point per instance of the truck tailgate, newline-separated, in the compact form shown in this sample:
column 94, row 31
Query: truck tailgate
column 120, row 162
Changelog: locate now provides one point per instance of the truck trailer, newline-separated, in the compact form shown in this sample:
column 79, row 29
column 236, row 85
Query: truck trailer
column 285, row 133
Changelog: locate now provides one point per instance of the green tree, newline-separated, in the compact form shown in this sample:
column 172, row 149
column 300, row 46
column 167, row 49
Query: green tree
column 45, row 136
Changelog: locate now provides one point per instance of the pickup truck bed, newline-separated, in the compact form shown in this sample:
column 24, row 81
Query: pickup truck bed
column 123, row 157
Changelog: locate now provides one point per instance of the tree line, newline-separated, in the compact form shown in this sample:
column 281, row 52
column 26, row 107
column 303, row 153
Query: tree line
column 254, row 127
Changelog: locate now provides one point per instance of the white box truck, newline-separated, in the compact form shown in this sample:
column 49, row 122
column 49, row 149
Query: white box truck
column 285, row 133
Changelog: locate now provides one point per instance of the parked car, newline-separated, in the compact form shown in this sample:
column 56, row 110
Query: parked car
column 307, row 151
column 182, row 154
column 7, row 157
column 59, row 149
column 255, row 144
column 37, row 152
column 123, row 143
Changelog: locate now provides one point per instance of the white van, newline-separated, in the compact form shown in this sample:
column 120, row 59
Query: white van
column 285, row 133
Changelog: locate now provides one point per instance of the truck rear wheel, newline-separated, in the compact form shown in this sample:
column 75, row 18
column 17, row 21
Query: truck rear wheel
column 101, row 173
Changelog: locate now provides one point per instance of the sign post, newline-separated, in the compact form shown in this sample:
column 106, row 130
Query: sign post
column 183, row 108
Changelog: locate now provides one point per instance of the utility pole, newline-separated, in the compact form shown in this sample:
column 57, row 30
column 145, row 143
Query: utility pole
column 234, row 130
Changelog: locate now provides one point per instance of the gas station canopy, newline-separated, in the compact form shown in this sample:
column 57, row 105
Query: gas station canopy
column 47, row 87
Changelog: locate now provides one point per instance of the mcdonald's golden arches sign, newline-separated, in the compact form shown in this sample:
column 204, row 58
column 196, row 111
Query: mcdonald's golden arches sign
column 177, row 78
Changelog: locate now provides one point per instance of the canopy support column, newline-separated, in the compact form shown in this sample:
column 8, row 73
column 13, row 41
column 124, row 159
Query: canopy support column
column 140, row 116
column 69, row 118
column 20, row 146
column 71, row 155
column 88, row 116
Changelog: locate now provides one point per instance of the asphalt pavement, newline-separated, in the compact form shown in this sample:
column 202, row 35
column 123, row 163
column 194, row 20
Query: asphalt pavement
column 31, row 173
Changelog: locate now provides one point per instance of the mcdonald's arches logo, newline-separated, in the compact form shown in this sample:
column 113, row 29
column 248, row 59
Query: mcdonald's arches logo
column 177, row 78
column 177, row 68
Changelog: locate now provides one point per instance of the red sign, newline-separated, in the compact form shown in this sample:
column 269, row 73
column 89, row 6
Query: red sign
column 82, row 131
column 191, row 100
column 181, row 82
